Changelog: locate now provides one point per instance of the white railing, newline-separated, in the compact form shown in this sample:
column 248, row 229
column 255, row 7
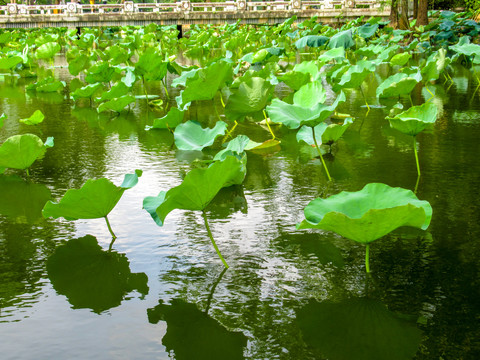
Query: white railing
column 129, row 7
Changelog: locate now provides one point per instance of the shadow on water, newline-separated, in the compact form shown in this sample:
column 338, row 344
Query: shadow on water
column 91, row 277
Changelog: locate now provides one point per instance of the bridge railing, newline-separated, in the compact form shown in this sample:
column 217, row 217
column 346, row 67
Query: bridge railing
column 128, row 7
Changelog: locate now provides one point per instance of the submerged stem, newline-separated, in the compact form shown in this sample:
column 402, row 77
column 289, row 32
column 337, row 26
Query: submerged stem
column 416, row 154
column 110, row 229
column 268, row 125
column 365, row 98
column 212, row 239
column 367, row 258
column 210, row 295
column 319, row 153
column 165, row 87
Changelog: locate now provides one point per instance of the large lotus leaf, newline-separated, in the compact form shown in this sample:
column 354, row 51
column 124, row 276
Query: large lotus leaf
column 150, row 65
column 466, row 49
column 342, row 39
column 50, row 86
column 311, row 41
column 7, row 63
column 86, row 91
column 310, row 95
column 250, row 98
column 367, row 30
column 371, row 330
column 333, row 132
column 295, row 79
column 337, row 54
column 415, row 119
column 400, row 59
column 370, row 50
column 236, row 147
column 91, row 278
column 398, row 84
column 77, row 64
column 100, row 72
column 206, row 338
column 198, row 188
column 355, row 75
column 184, row 76
column 171, row 120
column 305, row 134
column 118, row 90
column 117, row 104
column 191, row 135
column 22, row 200
column 367, row 215
column 48, row 50
column 293, row 116
column 436, row 63
column 205, row 83
column 20, row 151
column 95, row 199
column 36, row 118
column 308, row 67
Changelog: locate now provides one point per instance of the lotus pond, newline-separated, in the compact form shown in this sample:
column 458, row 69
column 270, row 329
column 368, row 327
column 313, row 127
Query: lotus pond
column 269, row 150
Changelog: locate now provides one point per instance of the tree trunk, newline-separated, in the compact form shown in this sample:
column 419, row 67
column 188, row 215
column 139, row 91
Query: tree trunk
column 415, row 9
column 403, row 18
column 394, row 14
column 422, row 16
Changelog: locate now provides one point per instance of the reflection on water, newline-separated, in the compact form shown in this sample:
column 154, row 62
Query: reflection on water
column 92, row 278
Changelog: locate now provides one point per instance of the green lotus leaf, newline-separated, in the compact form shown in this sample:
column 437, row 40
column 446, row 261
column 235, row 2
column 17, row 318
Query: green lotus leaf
column 308, row 67
column 191, row 135
column 250, row 98
column 367, row 215
column 415, row 119
column 435, row 65
column 116, row 91
column 236, row 147
column 151, row 66
column 400, row 59
column 355, row 75
column 50, row 86
column 398, row 84
column 259, row 56
column 197, row 190
column 173, row 118
column 466, row 49
column 117, row 104
column 373, row 331
column 367, row 30
column 337, row 54
column 370, row 50
column 20, row 151
column 295, row 115
column 295, row 79
column 86, row 92
column 311, row 41
column 205, row 83
column 310, row 95
column 101, row 72
column 324, row 134
column 7, row 63
column 36, row 118
column 22, row 200
column 95, row 199
column 92, row 278
column 48, row 50
column 342, row 39
column 184, row 76
column 77, row 64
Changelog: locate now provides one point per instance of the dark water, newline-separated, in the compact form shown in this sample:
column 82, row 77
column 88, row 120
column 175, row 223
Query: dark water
column 289, row 294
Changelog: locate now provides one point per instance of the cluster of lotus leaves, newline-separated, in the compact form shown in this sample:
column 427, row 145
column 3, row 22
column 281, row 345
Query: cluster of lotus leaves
column 366, row 215
column 415, row 119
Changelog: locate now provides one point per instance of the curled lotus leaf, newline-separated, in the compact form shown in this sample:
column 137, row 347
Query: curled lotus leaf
column 95, row 199
column 366, row 215
column 355, row 75
column 87, row 91
column 197, row 190
column 191, row 135
column 415, row 119
column 324, row 134
column 117, row 104
column 36, row 118
column 171, row 120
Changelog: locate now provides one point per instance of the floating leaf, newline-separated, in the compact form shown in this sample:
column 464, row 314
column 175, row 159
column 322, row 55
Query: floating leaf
column 36, row 118
column 95, row 199
column 191, row 135
column 20, row 151
column 367, row 215
column 198, row 188
column 92, row 278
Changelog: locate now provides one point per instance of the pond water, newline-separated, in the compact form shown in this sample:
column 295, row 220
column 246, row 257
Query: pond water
column 288, row 294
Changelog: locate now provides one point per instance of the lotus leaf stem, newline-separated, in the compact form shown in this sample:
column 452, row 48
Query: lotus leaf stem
column 216, row 112
column 268, row 125
column 319, row 153
column 410, row 97
column 28, row 173
column 110, row 229
column 367, row 258
column 213, row 240
column 416, row 154
column 426, row 87
column 221, row 99
column 215, row 284
column 365, row 98
column 165, row 87
column 416, row 184
column 144, row 88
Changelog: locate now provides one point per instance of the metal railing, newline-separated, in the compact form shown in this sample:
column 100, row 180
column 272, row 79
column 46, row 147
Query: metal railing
column 129, row 7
